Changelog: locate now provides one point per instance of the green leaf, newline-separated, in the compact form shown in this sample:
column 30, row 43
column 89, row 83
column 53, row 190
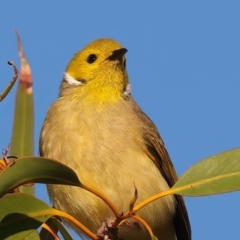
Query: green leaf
column 38, row 170
column 21, row 215
column 22, row 142
column 46, row 235
column 55, row 224
column 33, row 235
column 22, row 137
column 66, row 235
column 214, row 175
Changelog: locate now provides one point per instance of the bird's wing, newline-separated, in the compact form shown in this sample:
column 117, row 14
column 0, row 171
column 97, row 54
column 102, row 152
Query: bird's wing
column 156, row 150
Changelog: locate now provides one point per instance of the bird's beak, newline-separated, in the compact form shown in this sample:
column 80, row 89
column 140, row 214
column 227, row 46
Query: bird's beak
column 117, row 55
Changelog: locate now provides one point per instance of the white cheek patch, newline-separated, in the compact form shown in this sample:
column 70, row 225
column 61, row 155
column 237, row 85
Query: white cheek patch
column 71, row 80
column 128, row 90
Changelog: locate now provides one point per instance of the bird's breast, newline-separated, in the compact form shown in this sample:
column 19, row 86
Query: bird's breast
column 104, row 147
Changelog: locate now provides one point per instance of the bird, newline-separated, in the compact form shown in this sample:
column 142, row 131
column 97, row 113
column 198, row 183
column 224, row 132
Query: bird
column 97, row 128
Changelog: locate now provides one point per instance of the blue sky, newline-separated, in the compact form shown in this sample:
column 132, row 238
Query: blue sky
column 184, row 67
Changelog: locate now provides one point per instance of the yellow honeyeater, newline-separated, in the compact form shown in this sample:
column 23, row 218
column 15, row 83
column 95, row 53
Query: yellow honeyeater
column 96, row 128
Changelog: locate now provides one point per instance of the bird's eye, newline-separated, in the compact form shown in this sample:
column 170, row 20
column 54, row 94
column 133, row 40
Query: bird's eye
column 91, row 58
column 124, row 63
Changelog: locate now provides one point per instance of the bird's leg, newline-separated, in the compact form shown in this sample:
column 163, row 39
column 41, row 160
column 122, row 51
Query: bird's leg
column 107, row 231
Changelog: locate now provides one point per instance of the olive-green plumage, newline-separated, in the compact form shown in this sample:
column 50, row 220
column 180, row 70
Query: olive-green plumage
column 96, row 128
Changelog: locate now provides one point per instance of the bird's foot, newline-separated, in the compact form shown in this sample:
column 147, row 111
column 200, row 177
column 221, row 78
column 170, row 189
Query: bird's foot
column 107, row 231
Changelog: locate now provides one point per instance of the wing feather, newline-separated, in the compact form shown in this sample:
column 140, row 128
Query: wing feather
column 155, row 149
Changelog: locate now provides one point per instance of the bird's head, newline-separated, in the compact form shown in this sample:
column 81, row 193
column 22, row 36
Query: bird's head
column 98, row 72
